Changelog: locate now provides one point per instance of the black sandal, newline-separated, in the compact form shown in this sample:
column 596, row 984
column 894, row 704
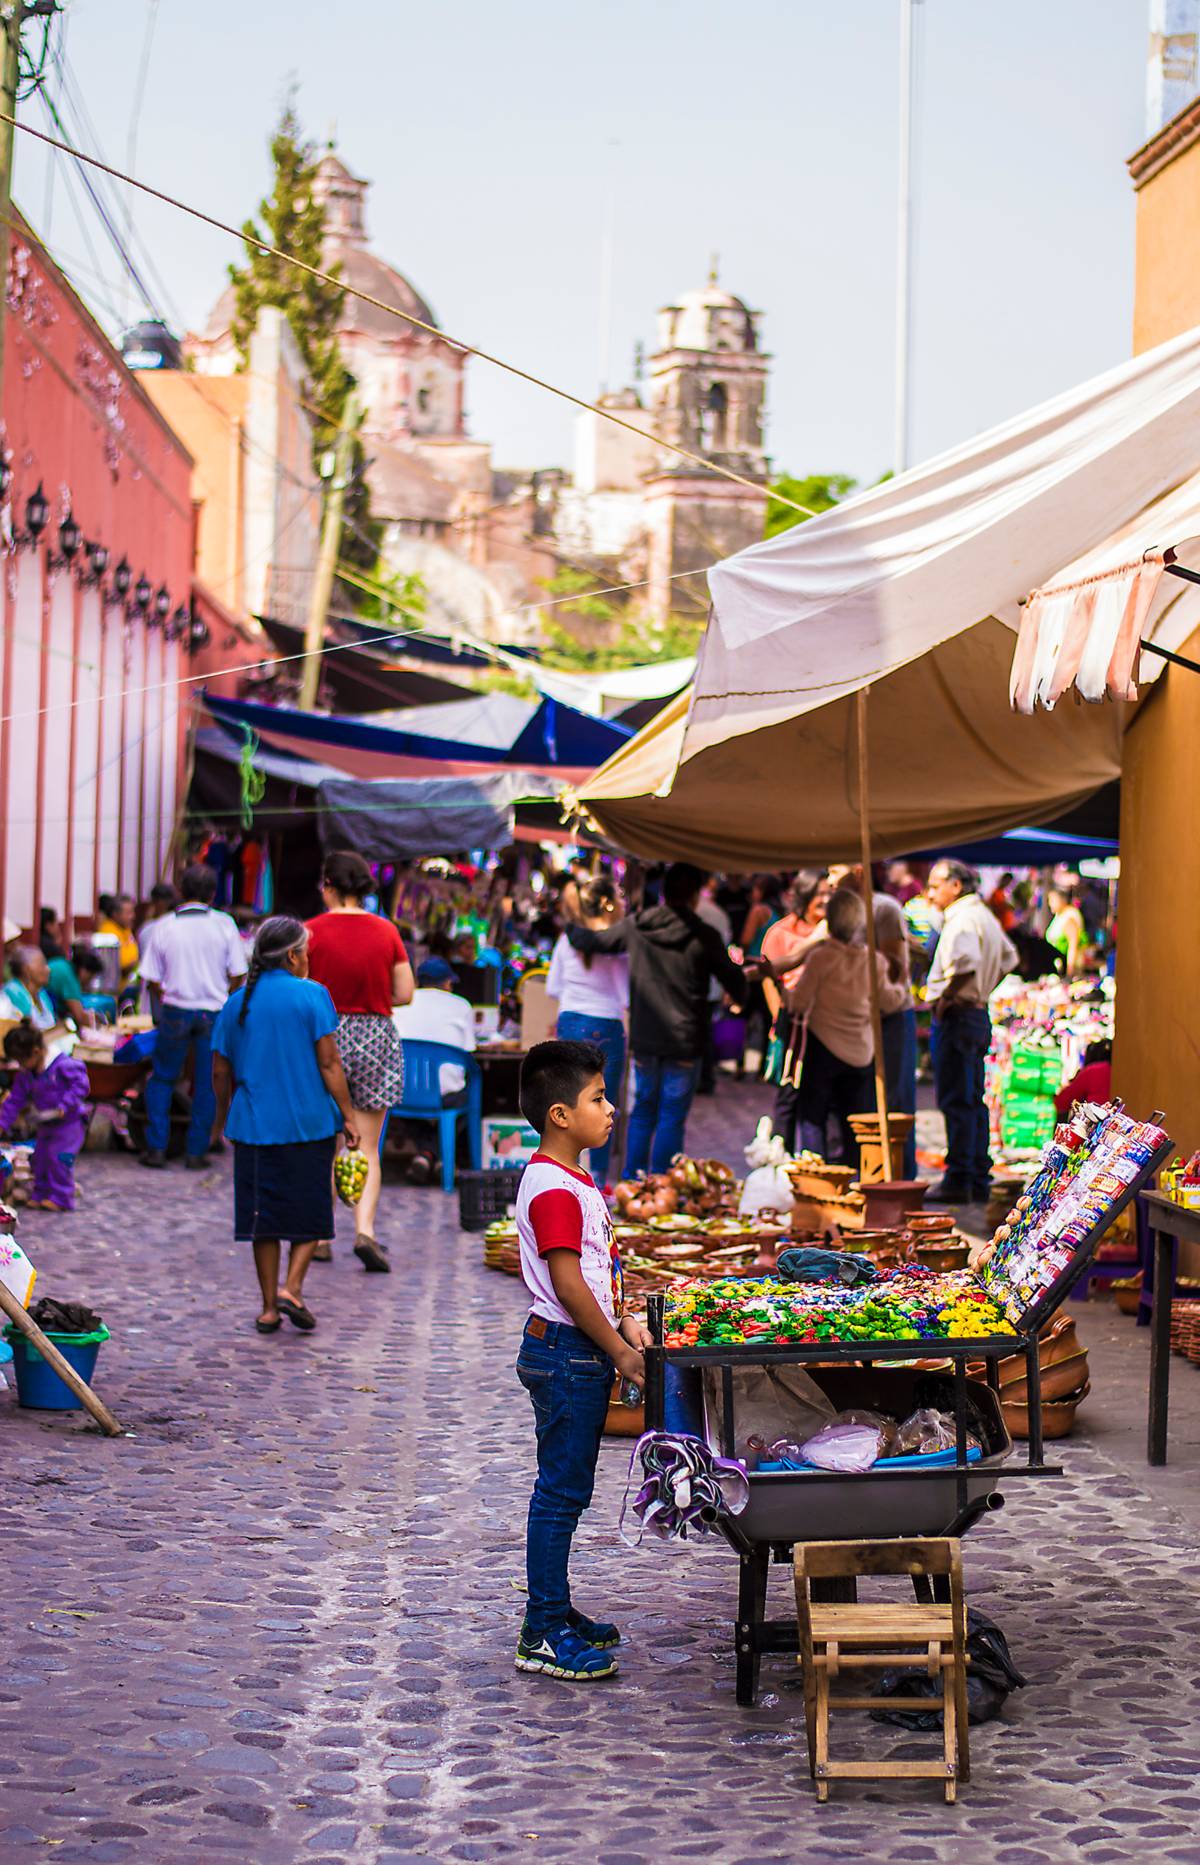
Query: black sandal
column 268, row 1327
column 371, row 1256
column 299, row 1316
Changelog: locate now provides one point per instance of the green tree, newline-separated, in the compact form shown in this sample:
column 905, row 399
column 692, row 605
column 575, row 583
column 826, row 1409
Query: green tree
column 292, row 219
column 817, row 493
column 641, row 638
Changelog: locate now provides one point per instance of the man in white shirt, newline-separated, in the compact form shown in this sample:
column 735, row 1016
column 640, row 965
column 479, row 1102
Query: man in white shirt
column 194, row 959
column 436, row 1014
column 973, row 954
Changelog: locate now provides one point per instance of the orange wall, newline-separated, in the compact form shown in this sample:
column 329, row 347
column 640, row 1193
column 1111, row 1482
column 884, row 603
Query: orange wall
column 1157, row 1054
column 1167, row 275
column 207, row 413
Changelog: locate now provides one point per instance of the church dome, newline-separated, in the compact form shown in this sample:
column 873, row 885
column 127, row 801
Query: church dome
column 708, row 318
column 344, row 198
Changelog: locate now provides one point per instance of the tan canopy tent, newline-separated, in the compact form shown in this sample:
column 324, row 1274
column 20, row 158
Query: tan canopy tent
column 912, row 590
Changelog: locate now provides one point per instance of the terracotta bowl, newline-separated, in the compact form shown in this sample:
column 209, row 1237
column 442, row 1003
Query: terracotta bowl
column 1058, row 1418
column 929, row 1223
column 942, row 1256
column 1058, row 1381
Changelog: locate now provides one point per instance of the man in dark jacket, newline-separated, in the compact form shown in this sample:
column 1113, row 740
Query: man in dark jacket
column 673, row 957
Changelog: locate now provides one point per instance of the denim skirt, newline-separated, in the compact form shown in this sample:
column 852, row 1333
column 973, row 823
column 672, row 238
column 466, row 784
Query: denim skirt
column 283, row 1192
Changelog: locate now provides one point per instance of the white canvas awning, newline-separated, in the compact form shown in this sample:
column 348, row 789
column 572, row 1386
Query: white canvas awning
column 914, row 589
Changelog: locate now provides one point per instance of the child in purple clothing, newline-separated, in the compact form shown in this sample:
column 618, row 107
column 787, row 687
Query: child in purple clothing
column 53, row 1095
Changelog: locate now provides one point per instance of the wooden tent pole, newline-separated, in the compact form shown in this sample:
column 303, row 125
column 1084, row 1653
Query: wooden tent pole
column 868, row 892
column 66, row 1372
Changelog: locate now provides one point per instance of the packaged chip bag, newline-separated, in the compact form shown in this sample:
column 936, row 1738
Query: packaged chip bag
column 350, row 1175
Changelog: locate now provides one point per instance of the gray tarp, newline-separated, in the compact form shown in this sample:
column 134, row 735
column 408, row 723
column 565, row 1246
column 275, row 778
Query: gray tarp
column 387, row 818
column 391, row 817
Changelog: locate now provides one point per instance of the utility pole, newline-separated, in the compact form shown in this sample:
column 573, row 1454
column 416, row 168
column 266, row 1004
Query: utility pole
column 13, row 14
column 14, row 19
column 904, row 238
column 331, row 539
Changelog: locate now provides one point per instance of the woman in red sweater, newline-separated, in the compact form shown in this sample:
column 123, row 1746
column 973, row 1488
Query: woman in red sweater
column 361, row 960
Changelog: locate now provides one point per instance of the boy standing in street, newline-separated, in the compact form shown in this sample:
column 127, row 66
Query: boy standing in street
column 574, row 1338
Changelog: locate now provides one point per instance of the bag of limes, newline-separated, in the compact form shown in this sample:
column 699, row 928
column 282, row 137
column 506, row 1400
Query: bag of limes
column 350, row 1175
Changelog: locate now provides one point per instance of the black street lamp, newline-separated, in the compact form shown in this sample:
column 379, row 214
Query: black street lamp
column 69, row 539
column 141, row 594
column 97, row 558
column 122, row 578
column 179, row 624
column 37, row 514
column 162, row 602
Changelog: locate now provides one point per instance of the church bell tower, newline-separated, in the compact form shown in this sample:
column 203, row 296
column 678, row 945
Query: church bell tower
column 708, row 381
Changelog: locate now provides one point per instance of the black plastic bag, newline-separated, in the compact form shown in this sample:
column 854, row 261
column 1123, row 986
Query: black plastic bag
column 64, row 1317
column 991, row 1674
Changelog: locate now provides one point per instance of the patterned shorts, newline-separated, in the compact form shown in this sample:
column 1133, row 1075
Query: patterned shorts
column 373, row 1059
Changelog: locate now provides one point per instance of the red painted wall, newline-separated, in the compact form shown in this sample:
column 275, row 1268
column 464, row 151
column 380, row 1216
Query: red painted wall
column 91, row 713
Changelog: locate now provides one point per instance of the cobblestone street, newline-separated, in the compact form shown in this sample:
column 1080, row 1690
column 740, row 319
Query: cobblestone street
column 276, row 1621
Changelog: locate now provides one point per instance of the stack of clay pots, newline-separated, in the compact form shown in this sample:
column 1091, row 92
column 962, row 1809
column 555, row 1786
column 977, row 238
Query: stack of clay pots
column 1064, row 1382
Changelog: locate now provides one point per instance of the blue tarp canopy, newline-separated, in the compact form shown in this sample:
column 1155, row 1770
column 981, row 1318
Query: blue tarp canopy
column 1026, row 848
column 552, row 737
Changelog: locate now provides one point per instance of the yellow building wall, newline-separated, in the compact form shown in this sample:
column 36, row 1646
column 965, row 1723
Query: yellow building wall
column 1156, row 1058
column 1167, row 275
column 208, row 413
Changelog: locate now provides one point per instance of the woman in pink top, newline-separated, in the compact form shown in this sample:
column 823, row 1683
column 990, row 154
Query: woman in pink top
column 806, row 913
column 831, row 995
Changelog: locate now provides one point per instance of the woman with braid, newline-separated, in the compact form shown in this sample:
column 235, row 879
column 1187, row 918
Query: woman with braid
column 282, row 1098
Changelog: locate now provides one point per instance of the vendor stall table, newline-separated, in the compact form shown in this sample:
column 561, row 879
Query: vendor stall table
column 804, row 1504
column 501, row 1078
column 1170, row 1224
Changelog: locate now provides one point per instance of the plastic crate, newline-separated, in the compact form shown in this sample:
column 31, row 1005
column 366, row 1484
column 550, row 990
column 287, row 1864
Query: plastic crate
column 485, row 1196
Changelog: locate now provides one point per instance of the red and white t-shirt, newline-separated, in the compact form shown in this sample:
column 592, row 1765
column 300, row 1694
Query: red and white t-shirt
column 560, row 1209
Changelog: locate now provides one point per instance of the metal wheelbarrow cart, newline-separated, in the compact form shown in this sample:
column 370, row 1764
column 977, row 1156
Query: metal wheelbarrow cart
column 790, row 1506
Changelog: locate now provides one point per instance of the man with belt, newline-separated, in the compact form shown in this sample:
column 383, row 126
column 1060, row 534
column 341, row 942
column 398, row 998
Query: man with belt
column 973, row 954
column 191, row 964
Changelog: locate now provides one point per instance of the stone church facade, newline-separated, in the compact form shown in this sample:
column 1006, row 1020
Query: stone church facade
column 486, row 541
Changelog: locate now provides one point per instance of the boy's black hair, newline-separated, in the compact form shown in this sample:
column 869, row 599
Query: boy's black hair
column 1100, row 1051
column 554, row 1072
column 22, row 1044
column 681, row 883
column 86, row 959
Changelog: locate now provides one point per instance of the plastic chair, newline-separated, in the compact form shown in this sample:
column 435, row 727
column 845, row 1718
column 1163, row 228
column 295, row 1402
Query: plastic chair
column 423, row 1101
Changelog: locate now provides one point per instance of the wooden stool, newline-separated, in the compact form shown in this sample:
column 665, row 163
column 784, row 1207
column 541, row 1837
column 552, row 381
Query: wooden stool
column 882, row 1636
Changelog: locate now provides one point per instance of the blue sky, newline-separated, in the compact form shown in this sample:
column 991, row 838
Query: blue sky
column 767, row 133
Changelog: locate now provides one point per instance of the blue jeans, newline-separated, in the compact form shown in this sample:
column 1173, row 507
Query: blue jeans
column 178, row 1031
column 963, row 1039
column 900, row 1065
column 608, row 1034
column 569, row 1380
column 662, row 1097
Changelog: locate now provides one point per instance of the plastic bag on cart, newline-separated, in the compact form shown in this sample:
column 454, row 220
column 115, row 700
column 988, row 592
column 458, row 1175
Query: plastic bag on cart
column 842, row 1447
column 685, row 1489
column 926, row 1431
column 991, row 1674
column 769, row 1403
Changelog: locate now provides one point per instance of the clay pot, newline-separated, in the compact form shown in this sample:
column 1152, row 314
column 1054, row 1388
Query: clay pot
column 942, row 1256
column 929, row 1224
column 1058, row 1381
column 1058, row 1418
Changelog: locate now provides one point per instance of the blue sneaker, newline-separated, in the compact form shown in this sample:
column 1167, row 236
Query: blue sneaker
column 597, row 1633
column 563, row 1654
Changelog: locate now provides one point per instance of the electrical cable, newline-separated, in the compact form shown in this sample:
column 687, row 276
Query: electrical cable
column 456, row 343
column 336, row 647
